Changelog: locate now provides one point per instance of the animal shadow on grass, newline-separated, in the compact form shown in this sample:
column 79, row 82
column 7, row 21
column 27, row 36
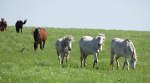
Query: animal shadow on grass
column 70, row 66
column 77, row 66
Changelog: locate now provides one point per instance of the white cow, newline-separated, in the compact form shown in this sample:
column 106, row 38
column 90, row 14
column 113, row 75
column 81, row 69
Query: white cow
column 63, row 48
column 90, row 45
column 123, row 48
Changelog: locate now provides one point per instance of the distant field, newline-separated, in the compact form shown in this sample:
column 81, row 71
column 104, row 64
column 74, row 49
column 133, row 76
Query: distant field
column 27, row 66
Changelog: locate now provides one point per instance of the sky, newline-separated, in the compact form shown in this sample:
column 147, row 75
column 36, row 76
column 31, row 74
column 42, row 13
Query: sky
column 101, row 14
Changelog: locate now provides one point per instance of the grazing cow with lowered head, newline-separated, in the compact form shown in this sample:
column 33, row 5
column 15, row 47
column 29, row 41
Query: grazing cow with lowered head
column 40, row 36
column 3, row 24
column 90, row 45
column 19, row 25
column 63, row 48
column 123, row 48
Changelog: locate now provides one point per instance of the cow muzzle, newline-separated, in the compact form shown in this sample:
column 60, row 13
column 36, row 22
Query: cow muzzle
column 69, row 49
column 100, row 44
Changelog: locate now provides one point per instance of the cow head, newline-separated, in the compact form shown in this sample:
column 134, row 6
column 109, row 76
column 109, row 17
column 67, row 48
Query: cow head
column 68, row 43
column 100, row 39
column 132, row 51
column 25, row 21
column 133, row 60
column 133, row 64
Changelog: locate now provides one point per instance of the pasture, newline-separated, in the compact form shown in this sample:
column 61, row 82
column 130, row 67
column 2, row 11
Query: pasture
column 19, row 63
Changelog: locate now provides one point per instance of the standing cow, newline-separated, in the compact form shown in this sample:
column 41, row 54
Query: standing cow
column 90, row 45
column 63, row 48
column 123, row 48
column 3, row 24
column 19, row 25
column 40, row 36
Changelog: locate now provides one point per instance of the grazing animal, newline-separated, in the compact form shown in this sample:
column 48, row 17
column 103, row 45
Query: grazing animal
column 3, row 24
column 123, row 48
column 40, row 36
column 63, row 48
column 90, row 45
column 19, row 25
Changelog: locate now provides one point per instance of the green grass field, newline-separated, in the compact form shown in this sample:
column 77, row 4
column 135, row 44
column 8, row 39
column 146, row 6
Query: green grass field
column 28, row 66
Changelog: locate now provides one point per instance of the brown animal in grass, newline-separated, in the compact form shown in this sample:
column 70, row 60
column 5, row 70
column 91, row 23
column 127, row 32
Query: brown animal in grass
column 40, row 36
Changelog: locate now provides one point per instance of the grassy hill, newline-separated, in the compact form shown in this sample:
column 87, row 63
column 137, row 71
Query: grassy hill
column 19, row 63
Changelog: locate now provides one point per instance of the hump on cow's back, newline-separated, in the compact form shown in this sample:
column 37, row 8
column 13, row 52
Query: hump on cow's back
column 42, row 30
column 87, row 38
column 118, row 39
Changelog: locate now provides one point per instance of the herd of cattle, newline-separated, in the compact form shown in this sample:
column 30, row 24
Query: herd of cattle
column 88, row 46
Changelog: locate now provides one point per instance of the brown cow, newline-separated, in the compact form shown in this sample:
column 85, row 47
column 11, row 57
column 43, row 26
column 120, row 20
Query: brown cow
column 40, row 36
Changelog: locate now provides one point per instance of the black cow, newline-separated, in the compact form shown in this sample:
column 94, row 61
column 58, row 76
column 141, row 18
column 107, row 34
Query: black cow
column 19, row 25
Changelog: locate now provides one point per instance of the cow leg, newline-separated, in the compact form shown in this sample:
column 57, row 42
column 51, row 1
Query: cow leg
column 35, row 45
column 126, row 63
column 81, row 56
column 81, row 59
column 117, row 61
column 112, row 59
column 59, row 57
column 43, row 43
column 85, row 56
column 67, row 57
column 41, row 46
column 62, row 58
column 21, row 29
column 95, row 60
column 17, row 30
